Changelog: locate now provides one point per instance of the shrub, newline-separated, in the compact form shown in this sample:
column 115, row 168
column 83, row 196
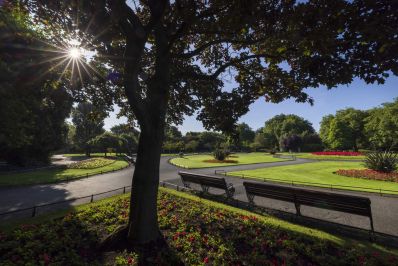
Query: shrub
column 272, row 152
column 382, row 161
column 181, row 154
column 219, row 154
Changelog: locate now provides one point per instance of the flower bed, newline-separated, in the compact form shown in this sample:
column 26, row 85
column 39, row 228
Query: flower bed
column 197, row 232
column 337, row 153
column 369, row 174
column 218, row 161
column 91, row 163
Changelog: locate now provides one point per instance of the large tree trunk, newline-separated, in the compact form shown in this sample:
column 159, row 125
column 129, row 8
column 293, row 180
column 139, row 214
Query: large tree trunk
column 143, row 222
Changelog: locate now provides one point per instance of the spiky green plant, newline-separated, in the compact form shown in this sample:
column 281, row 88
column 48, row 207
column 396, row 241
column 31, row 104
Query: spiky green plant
column 382, row 161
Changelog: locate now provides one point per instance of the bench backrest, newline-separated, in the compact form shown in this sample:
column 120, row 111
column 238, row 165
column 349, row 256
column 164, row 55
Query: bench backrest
column 332, row 201
column 205, row 180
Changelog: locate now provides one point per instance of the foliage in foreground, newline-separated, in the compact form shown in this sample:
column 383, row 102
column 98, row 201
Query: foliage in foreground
column 382, row 161
column 91, row 163
column 197, row 233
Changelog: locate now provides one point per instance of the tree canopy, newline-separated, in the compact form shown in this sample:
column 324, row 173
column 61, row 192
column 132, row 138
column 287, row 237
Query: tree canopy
column 281, row 126
column 345, row 130
column 33, row 107
column 381, row 126
column 89, row 123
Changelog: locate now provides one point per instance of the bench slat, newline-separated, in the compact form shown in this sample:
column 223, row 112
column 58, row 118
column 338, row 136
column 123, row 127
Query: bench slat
column 333, row 201
column 204, row 180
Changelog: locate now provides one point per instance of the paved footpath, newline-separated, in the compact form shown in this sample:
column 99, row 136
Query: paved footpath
column 384, row 208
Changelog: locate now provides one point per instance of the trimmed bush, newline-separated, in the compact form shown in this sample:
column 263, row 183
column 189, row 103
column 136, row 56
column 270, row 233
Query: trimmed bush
column 382, row 161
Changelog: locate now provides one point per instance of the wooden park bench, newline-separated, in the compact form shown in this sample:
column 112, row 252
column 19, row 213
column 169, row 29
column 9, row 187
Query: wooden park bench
column 206, row 181
column 326, row 200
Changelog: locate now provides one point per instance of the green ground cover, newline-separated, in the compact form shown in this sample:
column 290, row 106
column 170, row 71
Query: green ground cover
column 198, row 161
column 319, row 172
column 59, row 174
column 308, row 155
column 197, row 232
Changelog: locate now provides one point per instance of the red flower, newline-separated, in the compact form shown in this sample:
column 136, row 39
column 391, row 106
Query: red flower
column 368, row 174
column 46, row 258
column 362, row 260
column 337, row 153
column 206, row 260
column 130, row 260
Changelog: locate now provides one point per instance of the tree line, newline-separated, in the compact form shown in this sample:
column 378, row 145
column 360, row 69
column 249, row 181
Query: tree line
column 347, row 129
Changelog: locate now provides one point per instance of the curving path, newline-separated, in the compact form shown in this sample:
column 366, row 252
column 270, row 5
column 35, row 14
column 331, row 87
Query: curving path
column 384, row 208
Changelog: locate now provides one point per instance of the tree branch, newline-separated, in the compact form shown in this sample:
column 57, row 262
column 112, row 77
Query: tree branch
column 234, row 61
column 200, row 49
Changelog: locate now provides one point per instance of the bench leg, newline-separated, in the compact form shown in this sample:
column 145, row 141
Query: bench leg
column 186, row 184
column 298, row 211
column 230, row 191
column 250, row 199
column 372, row 232
column 205, row 189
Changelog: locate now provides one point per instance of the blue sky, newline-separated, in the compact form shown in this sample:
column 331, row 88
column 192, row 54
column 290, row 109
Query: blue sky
column 358, row 95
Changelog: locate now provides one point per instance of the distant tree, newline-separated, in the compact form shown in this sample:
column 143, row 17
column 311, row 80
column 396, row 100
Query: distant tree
column 381, row 126
column 172, row 133
column 245, row 135
column 291, row 143
column 129, row 143
column 345, row 130
column 89, row 123
column 311, row 142
column 325, row 129
column 124, row 129
column 69, row 141
column 209, row 140
column 283, row 125
column 106, row 141
column 173, row 146
column 191, row 146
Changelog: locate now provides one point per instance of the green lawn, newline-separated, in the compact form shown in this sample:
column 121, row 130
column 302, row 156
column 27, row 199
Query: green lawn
column 319, row 172
column 55, row 175
column 197, row 161
column 308, row 155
